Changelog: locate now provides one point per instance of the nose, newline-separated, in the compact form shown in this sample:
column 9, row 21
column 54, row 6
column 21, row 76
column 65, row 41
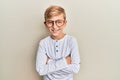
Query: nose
column 54, row 25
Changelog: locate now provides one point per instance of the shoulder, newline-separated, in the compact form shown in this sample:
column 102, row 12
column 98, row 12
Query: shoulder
column 72, row 41
column 71, row 38
column 44, row 40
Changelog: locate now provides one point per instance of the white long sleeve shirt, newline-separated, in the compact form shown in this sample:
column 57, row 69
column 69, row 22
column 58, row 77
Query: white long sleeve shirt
column 57, row 50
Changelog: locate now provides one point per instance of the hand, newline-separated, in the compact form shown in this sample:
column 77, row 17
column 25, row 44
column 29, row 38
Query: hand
column 47, row 59
column 68, row 59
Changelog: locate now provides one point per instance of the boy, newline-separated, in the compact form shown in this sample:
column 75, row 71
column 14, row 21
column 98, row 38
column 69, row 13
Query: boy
column 58, row 55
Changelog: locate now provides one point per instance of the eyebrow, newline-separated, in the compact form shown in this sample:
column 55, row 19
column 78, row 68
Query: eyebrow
column 55, row 20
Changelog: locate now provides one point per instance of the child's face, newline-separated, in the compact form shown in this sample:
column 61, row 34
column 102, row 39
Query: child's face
column 56, row 25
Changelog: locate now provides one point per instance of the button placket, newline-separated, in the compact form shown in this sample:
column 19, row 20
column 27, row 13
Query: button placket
column 56, row 46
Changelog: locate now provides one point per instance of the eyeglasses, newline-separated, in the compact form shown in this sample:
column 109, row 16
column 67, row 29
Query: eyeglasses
column 58, row 23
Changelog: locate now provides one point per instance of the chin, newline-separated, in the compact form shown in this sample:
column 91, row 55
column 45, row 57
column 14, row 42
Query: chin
column 55, row 34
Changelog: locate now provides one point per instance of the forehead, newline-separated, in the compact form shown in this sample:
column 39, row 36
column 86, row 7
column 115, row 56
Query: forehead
column 57, row 17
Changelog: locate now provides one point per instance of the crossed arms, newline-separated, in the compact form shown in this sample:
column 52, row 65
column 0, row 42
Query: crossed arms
column 68, row 59
column 66, row 65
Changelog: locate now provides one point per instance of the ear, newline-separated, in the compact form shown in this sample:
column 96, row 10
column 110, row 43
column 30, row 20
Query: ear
column 45, row 24
column 65, row 22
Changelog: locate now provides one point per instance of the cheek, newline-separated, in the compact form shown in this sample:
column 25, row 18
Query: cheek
column 50, row 29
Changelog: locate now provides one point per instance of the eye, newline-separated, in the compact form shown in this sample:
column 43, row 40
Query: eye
column 59, row 21
column 49, row 22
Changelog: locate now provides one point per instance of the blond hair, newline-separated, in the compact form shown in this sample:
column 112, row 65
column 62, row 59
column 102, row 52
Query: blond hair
column 54, row 11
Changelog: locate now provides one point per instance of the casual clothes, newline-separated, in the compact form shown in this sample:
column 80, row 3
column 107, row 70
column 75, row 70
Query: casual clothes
column 57, row 50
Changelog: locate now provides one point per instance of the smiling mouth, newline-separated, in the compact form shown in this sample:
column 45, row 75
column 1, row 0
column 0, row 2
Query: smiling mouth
column 55, row 30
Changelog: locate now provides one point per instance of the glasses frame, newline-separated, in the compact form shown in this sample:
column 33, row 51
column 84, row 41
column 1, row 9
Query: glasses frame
column 54, row 23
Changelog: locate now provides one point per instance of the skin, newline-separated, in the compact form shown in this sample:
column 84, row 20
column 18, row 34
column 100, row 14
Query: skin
column 57, row 33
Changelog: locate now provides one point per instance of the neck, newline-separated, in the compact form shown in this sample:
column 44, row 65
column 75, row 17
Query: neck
column 58, row 37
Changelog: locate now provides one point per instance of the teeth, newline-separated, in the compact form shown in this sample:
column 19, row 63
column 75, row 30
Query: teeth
column 55, row 30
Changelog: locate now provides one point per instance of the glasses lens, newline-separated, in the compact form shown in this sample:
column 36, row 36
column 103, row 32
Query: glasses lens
column 59, row 23
column 49, row 23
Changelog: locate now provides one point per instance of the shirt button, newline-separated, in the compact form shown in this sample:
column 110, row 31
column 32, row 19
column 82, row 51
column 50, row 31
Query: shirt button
column 56, row 50
column 56, row 46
